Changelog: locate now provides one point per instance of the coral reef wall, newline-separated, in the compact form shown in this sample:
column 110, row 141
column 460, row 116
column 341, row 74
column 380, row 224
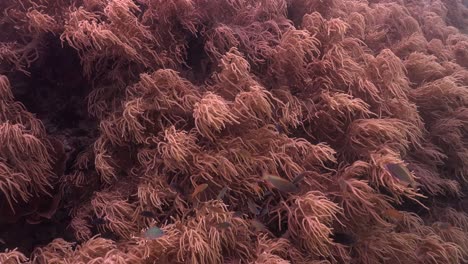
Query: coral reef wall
column 234, row 131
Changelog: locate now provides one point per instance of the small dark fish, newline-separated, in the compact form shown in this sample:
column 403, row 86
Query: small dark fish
column 175, row 187
column 281, row 184
column 343, row 238
column 299, row 178
column 258, row 226
column 153, row 233
column 286, row 235
column 264, row 211
column 279, row 128
column 222, row 193
column 200, row 188
column 237, row 214
column 147, row 214
column 224, row 225
column 443, row 225
column 253, row 207
column 98, row 221
column 401, row 173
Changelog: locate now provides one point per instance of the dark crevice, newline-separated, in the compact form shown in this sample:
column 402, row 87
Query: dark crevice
column 198, row 62
column 55, row 92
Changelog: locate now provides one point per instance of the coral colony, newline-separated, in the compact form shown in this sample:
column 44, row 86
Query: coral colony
column 234, row 131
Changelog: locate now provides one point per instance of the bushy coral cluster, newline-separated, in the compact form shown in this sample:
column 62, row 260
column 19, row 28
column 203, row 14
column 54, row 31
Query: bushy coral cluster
column 192, row 104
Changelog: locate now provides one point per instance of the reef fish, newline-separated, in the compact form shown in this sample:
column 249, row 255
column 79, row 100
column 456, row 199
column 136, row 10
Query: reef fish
column 443, row 225
column 200, row 188
column 400, row 172
column 394, row 214
column 258, row 226
column 98, row 221
column 299, row 178
column 153, row 233
column 281, row 184
column 224, row 225
column 237, row 214
column 343, row 238
column 147, row 214
column 253, row 207
column 222, row 193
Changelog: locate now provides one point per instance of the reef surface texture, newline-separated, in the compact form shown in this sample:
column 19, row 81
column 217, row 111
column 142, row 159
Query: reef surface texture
column 234, row 131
